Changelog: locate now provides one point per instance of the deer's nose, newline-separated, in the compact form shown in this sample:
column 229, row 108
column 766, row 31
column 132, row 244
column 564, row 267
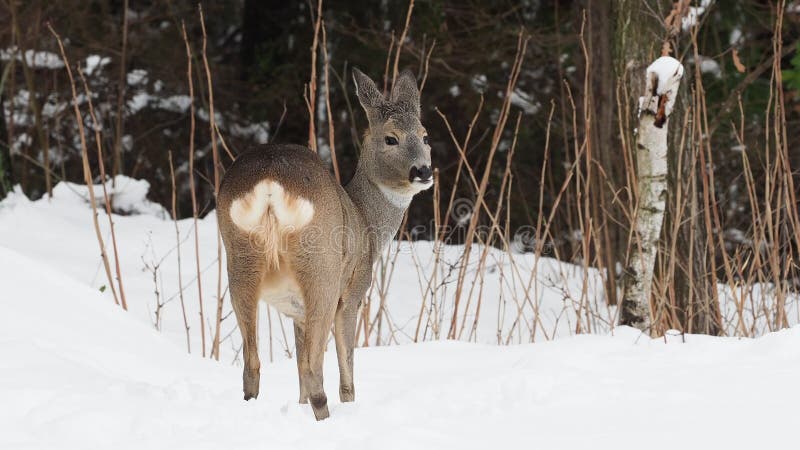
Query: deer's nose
column 421, row 173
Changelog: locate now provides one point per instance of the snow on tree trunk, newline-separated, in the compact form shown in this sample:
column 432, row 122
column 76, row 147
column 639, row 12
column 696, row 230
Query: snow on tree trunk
column 662, row 81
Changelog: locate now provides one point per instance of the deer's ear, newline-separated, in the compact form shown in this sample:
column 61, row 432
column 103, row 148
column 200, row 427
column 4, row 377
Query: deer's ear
column 405, row 92
column 368, row 94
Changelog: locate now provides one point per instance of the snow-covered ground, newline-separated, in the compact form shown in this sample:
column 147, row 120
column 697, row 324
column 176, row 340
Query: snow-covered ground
column 79, row 372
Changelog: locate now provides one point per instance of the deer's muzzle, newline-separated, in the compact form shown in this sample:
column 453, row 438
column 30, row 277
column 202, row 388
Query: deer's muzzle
column 420, row 174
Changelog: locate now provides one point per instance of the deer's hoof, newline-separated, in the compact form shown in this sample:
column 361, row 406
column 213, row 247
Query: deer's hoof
column 347, row 393
column 251, row 386
column 319, row 403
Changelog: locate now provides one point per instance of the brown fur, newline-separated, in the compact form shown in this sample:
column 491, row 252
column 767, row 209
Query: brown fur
column 298, row 240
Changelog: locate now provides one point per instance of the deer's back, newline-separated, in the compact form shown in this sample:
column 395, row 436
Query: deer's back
column 298, row 170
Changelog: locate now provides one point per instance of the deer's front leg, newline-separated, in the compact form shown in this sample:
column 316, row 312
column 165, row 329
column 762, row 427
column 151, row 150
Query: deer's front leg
column 345, row 335
column 317, row 328
column 300, row 354
column 320, row 298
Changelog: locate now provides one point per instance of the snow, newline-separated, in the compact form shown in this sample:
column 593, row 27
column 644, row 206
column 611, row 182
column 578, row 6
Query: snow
column 736, row 37
column 172, row 103
column 666, row 72
column 479, row 83
column 94, row 376
column 53, row 108
column 693, row 16
column 136, row 77
column 175, row 103
column 95, row 62
column 455, row 91
column 128, row 196
column 525, row 101
column 34, row 59
column 23, row 140
column 667, row 69
column 708, row 65
column 258, row 132
column 139, row 101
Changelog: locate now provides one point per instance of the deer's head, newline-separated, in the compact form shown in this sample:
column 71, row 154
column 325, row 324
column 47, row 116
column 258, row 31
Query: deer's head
column 396, row 154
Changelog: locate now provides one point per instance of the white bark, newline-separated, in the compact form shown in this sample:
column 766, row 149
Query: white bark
column 663, row 79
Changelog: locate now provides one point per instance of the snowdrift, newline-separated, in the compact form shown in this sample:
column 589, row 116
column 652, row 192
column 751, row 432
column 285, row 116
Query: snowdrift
column 79, row 373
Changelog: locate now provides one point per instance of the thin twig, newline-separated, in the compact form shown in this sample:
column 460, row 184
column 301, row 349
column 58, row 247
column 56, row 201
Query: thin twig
column 87, row 171
column 192, row 188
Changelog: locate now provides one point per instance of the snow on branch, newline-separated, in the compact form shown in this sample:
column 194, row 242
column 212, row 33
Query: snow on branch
column 663, row 78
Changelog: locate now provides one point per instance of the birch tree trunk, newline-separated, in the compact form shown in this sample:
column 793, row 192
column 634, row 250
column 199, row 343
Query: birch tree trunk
column 662, row 82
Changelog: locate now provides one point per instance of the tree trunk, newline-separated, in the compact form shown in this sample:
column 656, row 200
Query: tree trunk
column 607, row 235
column 6, row 177
column 685, row 298
column 119, row 128
column 663, row 79
column 688, row 302
column 636, row 38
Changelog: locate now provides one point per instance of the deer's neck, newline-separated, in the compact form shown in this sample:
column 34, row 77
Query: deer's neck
column 381, row 211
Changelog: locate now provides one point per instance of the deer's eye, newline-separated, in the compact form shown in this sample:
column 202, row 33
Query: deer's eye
column 425, row 139
column 391, row 140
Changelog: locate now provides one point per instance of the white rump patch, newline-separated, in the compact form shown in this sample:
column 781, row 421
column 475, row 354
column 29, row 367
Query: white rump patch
column 268, row 197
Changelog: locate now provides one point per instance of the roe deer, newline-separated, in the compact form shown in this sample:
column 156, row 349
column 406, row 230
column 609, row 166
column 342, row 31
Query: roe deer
column 299, row 241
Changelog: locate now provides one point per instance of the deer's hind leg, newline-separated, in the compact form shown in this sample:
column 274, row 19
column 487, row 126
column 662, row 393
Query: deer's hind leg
column 244, row 277
column 245, row 305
